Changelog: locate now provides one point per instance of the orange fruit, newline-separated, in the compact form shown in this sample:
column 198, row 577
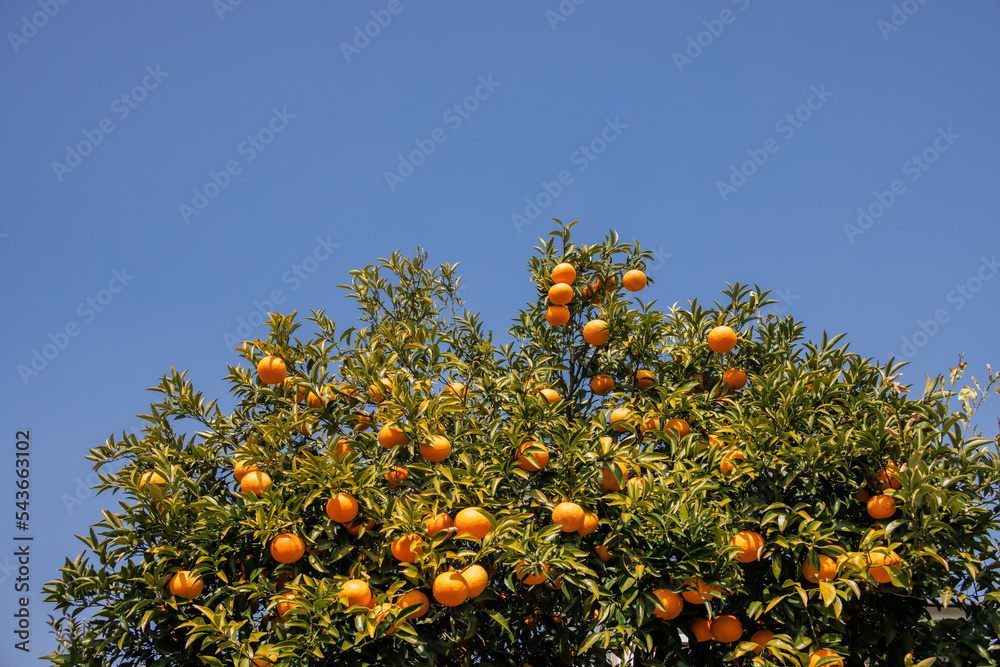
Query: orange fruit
column 679, row 425
column 564, row 273
column 638, row 482
column 619, row 415
column 596, row 332
column 888, row 476
column 362, row 421
column 317, row 399
column 645, row 379
column 476, row 578
column 343, row 449
column 255, row 482
column 727, row 628
column 603, row 553
column 450, row 589
column 437, row 523
column 531, row 579
column 649, row 424
column 701, row 628
column 287, row 548
column 286, row 605
column 608, row 480
column 407, row 548
column 815, row 658
column 568, row 516
column 413, row 598
column 377, row 391
column 721, row 339
column 474, row 520
column 436, row 448
column 827, row 570
column 534, row 461
column 702, row 591
column 355, row 592
column 879, row 565
column 750, row 542
column 240, row 469
column 264, row 660
column 390, row 435
column 727, row 465
column 881, row 507
column 342, row 508
column 295, row 384
column 185, row 584
column 761, row 638
column 861, row 496
column 602, row 384
column 153, row 478
column 557, row 315
column 355, row 527
column 271, row 370
column 551, row 395
column 669, row 604
column 735, row 378
column 396, row 475
column 634, row 280
column 458, row 390
column 560, row 294
column 589, row 524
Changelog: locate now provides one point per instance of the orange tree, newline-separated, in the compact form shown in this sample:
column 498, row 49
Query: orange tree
column 685, row 487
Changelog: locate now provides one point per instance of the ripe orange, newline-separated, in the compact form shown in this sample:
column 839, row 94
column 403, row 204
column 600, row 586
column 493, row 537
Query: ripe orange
column 450, row 589
column 649, row 424
column 825, row 653
column 827, row 570
column 287, row 548
column 436, row 448
column 458, row 390
column 881, row 507
column 355, row 592
column 596, row 332
column 185, row 584
column 342, row 508
column 560, row 294
column 271, row 370
column 721, row 339
column 318, row 398
column 407, row 548
column 634, row 280
column 474, row 520
column 557, row 315
column 355, row 527
column 413, row 598
column 531, row 579
column 390, row 435
column 535, row 460
column 735, row 378
column 153, row 478
column 568, row 516
column 362, row 421
column 645, row 379
column 750, row 542
column 396, row 475
column 727, row 628
column 888, row 476
column 264, row 660
column 295, row 384
column 701, row 628
column 286, row 605
column 727, row 465
column 343, row 449
column 255, row 482
column 240, row 469
column 603, row 553
column 761, row 638
column 589, row 524
column 476, row 578
column 670, row 603
column 564, row 273
column 880, row 564
column 703, row 590
column 608, row 481
column 679, row 425
column 551, row 395
column 861, row 496
column 602, row 384
column 437, row 523
column 619, row 419
column 377, row 391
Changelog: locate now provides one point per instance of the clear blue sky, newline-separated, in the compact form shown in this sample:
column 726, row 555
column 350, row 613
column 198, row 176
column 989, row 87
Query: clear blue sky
column 116, row 112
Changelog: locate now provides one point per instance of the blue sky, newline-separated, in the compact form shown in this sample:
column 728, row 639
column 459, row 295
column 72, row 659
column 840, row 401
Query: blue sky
column 168, row 168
